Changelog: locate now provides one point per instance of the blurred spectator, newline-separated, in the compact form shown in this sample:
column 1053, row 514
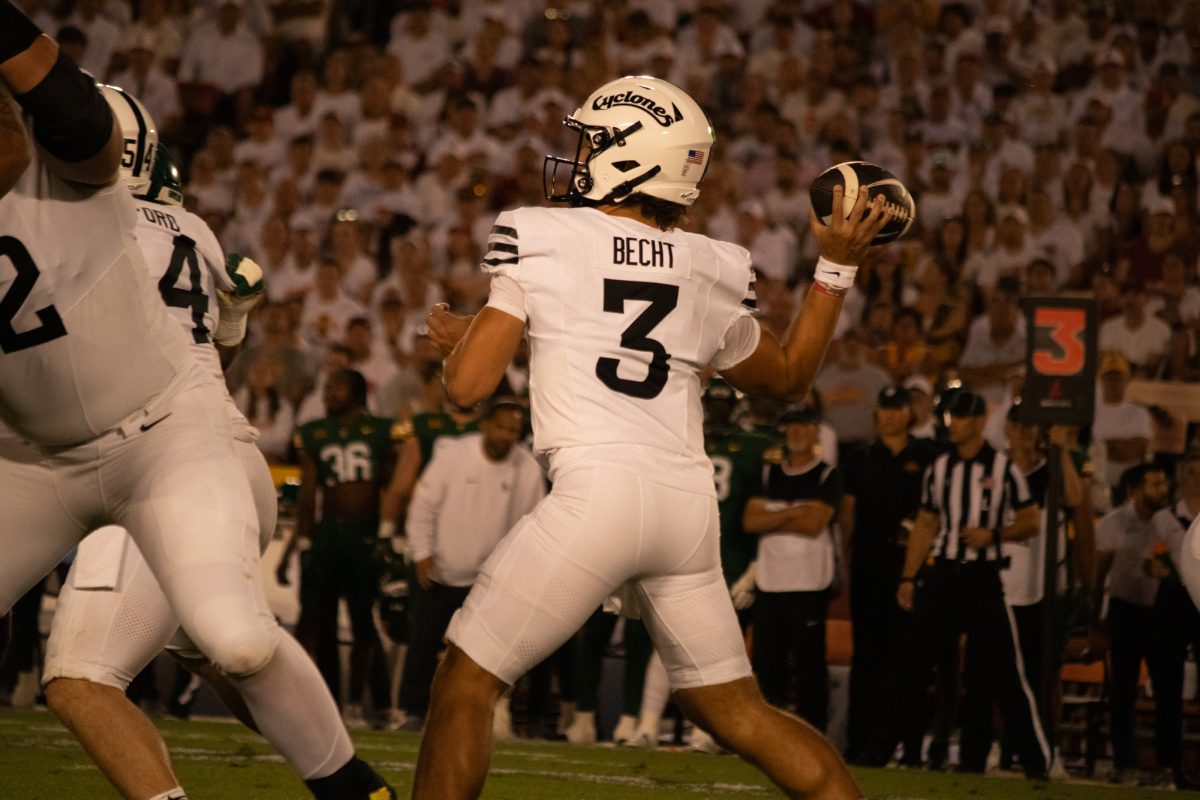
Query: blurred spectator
column 474, row 490
column 1142, row 339
column 996, row 343
column 848, row 385
column 1177, row 301
column 796, row 568
column 1121, row 426
column 366, row 357
column 145, row 78
column 1146, row 253
column 419, row 40
column 1055, row 237
column 266, row 406
column 327, row 309
column 278, row 343
column 296, row 275
column 102, row 34
column 222, row 62
column 920, row 398
column 159, row 31
column 905, row 353
column 300, row 117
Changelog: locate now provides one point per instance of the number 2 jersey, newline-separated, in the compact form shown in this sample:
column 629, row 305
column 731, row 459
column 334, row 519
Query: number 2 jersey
column 84, row 338
column 621, row 317
column 186, row 264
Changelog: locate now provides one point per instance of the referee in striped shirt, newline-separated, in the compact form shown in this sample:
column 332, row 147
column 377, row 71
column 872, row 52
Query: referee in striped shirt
column 973, row 499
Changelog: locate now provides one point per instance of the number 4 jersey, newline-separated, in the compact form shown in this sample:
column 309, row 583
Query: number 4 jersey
column 621, row 318
column 186, row 264
column 84, row 338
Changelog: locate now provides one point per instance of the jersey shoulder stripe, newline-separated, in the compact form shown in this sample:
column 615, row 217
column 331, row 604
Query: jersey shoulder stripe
column 502, row 249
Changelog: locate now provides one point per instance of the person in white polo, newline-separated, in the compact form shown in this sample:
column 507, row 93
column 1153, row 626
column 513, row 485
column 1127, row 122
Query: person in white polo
column 473, row 491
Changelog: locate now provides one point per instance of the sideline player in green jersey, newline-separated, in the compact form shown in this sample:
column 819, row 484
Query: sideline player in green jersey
column 348, row 457
column 737, row 458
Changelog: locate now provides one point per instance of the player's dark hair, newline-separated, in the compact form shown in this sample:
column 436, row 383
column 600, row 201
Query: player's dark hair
column 357, row 384
column 666, row 215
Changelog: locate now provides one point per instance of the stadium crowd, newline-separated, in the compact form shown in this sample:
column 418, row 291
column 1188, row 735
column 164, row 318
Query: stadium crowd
column 360, row 152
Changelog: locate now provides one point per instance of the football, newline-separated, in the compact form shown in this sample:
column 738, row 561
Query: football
column 854, row 175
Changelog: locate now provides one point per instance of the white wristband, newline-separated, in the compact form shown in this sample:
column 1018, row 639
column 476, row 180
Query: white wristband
column 839, row 277
column 387, row 529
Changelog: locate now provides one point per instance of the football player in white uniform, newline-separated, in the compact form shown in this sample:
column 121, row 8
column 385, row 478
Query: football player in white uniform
column 622, row 311
column 111, row 618
column 112, row 420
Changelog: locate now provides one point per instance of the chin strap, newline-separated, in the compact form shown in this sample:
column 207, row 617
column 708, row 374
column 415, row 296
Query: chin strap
column 623, row 190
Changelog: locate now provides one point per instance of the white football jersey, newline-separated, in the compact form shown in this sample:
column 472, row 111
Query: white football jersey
column 84, row 339
column 621, row 318
column 185, row 262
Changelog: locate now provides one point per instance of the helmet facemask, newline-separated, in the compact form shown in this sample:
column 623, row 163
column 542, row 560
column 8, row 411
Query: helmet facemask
column 595, row 141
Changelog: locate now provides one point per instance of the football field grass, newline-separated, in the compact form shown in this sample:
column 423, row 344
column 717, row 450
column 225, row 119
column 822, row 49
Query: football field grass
column 223, row 761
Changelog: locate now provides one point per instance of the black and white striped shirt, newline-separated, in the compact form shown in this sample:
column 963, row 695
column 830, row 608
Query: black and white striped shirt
column 981, row 492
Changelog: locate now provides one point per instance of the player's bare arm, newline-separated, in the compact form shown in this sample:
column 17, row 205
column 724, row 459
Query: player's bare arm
column 786, row 370
column 72, row 124
column 919, row 542
column 393, row 501
column 14, row 147
column 306, row 515
column 480, row 356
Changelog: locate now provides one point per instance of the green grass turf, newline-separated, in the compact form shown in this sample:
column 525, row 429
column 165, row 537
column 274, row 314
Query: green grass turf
column 222, row 761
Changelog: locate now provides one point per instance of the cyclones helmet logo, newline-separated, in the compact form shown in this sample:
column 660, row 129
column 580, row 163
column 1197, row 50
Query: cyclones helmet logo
column 661, row 115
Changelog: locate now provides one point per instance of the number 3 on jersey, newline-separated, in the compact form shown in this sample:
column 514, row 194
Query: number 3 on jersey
column 51, row 327
column 662, row 298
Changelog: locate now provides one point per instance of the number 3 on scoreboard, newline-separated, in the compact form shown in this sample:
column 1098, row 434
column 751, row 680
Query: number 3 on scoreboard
column 1064, row 328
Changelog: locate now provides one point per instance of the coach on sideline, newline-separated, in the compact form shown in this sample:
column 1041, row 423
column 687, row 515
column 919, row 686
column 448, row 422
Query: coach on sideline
column 951, row 583
column 474, row 490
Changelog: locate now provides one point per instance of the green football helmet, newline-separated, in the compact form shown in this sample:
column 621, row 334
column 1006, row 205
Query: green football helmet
column 165, row 186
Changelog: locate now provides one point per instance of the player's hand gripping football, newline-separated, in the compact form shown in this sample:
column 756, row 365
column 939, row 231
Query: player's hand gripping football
column 845, row 240
column 445, row 329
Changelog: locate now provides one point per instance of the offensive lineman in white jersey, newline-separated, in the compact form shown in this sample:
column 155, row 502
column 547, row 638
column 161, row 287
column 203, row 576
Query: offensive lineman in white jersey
column 622, row 311
column 113, row 421
column 112, row 618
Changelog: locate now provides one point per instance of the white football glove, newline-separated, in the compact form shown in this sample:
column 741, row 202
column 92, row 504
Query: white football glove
column 235, row 306
column 742, row 590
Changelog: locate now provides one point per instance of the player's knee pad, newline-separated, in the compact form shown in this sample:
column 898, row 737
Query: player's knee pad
column 243, row 655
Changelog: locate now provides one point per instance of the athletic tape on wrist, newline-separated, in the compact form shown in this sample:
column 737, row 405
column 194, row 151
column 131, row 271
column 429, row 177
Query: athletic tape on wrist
column 838, row 277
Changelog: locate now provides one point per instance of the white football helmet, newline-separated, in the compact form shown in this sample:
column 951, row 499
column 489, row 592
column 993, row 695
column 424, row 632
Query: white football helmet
column 140, row 135
column 638, row 135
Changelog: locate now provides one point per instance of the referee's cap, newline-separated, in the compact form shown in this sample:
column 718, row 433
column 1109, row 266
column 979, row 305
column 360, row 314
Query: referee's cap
column 894, row 397
column 967, row 404
column 801, row 414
